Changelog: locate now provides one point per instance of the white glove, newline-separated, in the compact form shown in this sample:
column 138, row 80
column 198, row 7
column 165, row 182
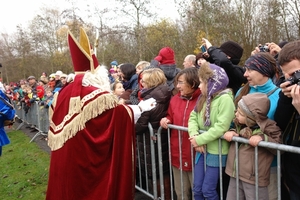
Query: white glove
column 146, row 105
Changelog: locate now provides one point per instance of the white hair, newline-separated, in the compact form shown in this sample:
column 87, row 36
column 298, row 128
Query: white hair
column 98, row 79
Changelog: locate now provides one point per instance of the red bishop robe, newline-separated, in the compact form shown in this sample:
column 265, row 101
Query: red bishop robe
column 93, row 146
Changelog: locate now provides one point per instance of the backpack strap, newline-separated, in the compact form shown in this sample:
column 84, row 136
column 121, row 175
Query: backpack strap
column 272, row 91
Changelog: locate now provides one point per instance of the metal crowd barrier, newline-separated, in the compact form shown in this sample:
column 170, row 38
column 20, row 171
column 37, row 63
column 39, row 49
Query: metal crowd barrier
column 157, row 141
column 36, row 117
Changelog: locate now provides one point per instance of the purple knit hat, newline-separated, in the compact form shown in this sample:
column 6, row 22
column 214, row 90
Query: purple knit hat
column 217, row 82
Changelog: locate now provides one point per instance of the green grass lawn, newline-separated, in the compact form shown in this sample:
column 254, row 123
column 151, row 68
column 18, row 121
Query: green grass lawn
column 23, row 169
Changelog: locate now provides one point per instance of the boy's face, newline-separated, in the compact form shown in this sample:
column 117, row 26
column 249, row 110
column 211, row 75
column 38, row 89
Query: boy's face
column 49, row 94
column 240, row 116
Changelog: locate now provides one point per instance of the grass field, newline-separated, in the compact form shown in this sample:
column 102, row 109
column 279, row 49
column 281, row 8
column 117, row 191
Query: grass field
column 23, row 169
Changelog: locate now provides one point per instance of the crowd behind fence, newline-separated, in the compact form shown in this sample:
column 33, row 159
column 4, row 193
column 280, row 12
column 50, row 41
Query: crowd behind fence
column 152, row 183
column 36, row 117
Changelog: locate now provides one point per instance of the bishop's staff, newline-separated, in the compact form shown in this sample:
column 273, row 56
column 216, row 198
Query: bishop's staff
column 96, row 42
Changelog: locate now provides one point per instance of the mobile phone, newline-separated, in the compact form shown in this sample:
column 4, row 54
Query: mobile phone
column 203, row 48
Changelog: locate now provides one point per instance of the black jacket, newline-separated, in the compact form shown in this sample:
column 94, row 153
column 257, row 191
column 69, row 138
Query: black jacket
column 235, row 73
column 162, row 94
column 288, row 120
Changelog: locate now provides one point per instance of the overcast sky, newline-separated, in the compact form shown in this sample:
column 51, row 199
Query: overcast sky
column 15, row 12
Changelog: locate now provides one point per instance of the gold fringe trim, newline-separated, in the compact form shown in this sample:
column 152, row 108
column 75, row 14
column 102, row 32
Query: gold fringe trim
column 74, row 105
column 89, row 111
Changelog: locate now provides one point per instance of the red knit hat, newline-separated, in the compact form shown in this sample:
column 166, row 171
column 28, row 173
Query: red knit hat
column 40, row 91
column 165, row 56
column 82, row 57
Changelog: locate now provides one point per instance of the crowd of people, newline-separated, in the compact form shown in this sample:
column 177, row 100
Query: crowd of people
column 258, row 101
column 41, row 90
column 212, row 93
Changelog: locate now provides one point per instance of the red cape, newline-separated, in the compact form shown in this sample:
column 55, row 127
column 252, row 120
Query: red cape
column 98, row 160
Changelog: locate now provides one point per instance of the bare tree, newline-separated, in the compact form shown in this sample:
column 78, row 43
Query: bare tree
column 135, row 10
column 290, row 15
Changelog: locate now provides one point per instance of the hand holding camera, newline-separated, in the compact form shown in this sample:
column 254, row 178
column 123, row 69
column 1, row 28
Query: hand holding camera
column 207, row 44
column 264, row 48
column 295, row 78
column 288, row 87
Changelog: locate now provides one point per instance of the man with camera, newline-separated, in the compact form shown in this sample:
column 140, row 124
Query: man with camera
column 287, row 114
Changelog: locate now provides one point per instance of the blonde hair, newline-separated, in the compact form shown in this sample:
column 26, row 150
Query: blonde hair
column 143, row 64
column 154, row 77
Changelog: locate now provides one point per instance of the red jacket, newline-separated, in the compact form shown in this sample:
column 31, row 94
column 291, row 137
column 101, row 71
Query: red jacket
column 178, row 113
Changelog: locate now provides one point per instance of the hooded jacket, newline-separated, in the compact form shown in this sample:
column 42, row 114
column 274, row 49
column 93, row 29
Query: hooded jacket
column 257, row 105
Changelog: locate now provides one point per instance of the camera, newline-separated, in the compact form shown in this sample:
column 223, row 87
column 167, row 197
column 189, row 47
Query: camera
column 295, row 78
column 264, row 48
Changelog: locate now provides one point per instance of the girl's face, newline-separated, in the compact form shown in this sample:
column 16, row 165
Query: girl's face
column 119, row 90
column 201, row 61
column 240, row 116
column 203, row 87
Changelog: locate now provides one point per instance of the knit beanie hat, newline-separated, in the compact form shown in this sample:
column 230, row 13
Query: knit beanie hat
column 44, row 79
column 260, row 63
column 40, row 91
column 255, row 106
column 114, row 63
column 234, row 50
column 216, row 81
column 166, row 56
column 282, row 43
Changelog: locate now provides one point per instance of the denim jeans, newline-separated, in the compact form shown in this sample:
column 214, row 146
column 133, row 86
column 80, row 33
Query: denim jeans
column 205, row 182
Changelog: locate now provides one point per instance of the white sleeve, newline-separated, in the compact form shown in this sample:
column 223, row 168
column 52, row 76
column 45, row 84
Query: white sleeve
column 136, row 112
